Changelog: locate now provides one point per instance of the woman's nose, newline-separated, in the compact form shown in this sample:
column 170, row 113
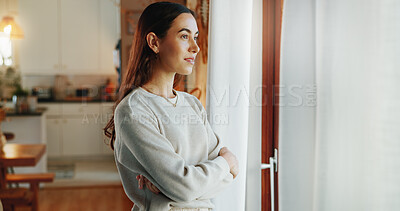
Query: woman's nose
column 194, row 47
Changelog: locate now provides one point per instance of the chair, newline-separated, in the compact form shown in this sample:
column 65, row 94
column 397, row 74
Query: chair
column 14, row 197
column 9, row 136
column 11, row 198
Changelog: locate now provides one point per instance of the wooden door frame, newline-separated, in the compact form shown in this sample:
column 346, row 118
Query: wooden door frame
column 272, row 19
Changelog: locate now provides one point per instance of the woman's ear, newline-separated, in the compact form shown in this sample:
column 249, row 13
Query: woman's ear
column 153, row 42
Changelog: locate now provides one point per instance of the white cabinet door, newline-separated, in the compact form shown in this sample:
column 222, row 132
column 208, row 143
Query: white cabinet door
column 68, row 36
column 81, row 110
column 52, row 109
column 81, row 134
column 54, row 147
column 80, row 36
column 39, row 48
column 106, row 114
column 109, row 35
column 81, row 137
column 76, row 129
column 106, row 149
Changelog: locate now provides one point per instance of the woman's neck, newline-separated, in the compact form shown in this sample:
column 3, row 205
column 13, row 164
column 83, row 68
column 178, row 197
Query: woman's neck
column 161, row 84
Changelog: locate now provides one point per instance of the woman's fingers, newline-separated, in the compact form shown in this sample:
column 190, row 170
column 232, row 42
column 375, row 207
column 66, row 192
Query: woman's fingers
column 155, row 189
column 231, row 159
column 142, row 180
column 150, row 186
column 235, row 170
column 223, row 150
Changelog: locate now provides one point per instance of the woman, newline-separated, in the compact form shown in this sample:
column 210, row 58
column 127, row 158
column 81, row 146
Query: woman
column 162, row 136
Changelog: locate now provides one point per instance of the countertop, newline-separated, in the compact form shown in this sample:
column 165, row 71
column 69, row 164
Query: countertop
column 39, row 111
column 10, row 112
column 82, row 100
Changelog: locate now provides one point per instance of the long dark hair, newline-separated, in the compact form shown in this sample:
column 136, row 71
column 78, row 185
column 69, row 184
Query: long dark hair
column 156, row 18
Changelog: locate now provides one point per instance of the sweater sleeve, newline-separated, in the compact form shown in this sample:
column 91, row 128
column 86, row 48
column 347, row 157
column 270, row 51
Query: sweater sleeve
column 215, row 146
column 214, row 143
column 162, row 165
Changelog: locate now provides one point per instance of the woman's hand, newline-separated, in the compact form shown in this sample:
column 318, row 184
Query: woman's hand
column 231, row 159
column 144, row 181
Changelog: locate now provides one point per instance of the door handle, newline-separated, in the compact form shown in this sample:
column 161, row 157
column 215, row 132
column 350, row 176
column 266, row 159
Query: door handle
column 273, row 167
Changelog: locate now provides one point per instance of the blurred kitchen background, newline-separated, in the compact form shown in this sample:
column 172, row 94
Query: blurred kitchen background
column 60, row 68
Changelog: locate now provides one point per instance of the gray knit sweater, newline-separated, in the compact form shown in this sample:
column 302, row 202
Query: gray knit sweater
column 174, row 147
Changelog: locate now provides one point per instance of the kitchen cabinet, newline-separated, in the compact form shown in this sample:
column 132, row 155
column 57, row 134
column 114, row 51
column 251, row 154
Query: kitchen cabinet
column 106, row 114
column 68, row 36
column 54, row 135
column 81, row 136
column 38, row 51
column 75, row 129
column 79, row 35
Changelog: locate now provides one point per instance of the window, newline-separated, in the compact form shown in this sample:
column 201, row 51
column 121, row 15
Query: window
column 6, row 47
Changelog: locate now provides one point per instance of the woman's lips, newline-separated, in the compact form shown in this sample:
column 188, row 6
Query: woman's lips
column 190, row 60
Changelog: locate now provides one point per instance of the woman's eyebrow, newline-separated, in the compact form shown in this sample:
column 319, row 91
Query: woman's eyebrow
column 187, row 30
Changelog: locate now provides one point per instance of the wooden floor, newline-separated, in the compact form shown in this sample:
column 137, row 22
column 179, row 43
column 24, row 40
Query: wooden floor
column 83, row 198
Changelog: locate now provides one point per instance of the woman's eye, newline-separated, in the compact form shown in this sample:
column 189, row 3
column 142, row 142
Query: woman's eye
column 185, row 36
column 196, row 38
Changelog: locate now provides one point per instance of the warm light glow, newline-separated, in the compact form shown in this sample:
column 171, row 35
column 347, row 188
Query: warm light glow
column 9, row 26
column 8, row 62
column 8, row 29
column 5, row 48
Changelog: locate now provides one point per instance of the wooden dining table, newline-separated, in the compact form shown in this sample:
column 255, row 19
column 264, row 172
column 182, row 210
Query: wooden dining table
column 23, row 155
column 14, row 155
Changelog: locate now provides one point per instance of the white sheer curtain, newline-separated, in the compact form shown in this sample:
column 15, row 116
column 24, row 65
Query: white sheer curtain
column 296, row 112
column 344, row 153
column 232, row 99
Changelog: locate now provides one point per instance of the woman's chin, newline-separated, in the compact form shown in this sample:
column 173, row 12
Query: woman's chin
column 185, row 72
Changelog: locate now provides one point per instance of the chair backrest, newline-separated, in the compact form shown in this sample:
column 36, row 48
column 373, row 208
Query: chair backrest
column 2, row 117
column 2, row 114
column 3, row 139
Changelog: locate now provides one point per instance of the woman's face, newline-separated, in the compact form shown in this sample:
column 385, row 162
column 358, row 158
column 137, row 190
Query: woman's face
column 178, row 49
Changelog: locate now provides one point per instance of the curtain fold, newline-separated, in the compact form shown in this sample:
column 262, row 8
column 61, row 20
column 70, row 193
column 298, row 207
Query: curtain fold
column 358, row 145
column 297, row 106
column 253, row 172
column 344, row 153
column 228, row 88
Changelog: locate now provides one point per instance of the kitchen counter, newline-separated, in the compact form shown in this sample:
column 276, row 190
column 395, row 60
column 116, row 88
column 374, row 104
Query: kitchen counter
column 39, row 111
column 77, row 101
